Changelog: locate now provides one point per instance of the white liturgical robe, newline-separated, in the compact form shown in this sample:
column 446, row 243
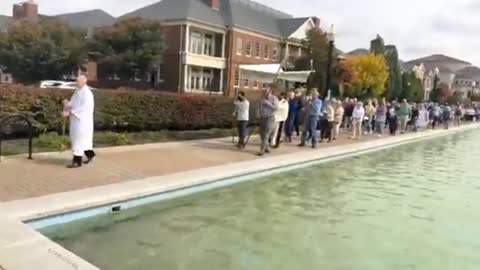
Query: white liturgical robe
column 81, row 120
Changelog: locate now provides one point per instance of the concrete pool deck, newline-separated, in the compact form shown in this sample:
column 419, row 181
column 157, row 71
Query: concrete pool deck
column 22, row 248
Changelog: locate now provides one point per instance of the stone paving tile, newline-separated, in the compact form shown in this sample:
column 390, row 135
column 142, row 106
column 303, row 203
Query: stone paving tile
column 21, row 178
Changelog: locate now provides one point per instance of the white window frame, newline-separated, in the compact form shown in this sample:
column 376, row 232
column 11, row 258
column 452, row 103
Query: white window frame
column 160, row 73
column 196, row 42
column 246, row 83
column 275, row 53
column 258, row 49
column 266, row 51
column 211, row 43
column 239, row 46
column 236, row 78
column 249, row 48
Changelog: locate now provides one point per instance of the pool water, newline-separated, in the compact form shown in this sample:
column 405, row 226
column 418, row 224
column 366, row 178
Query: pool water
column 410, row 207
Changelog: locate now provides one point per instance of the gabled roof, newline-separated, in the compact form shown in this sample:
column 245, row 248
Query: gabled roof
column 180, row 9
column 289, row 26
column 240, row 13
column 438, row 58
column 87, row 19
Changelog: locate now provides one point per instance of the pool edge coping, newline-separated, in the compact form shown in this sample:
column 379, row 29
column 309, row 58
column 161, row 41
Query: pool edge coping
column 19, row 238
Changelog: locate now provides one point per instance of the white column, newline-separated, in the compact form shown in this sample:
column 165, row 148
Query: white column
column 223, row 45
column 221, row 80
column 286, row 51
column 186, row 78
column 187, row 38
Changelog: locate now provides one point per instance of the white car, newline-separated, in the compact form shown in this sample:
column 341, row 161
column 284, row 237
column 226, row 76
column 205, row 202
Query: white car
column 58, row 85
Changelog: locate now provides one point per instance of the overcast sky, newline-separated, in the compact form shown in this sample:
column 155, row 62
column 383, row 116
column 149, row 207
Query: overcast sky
column 418, row 28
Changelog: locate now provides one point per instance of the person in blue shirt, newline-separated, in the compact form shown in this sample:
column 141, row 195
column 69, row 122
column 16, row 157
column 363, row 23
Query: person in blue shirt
column 295, row 106
column 313, row 113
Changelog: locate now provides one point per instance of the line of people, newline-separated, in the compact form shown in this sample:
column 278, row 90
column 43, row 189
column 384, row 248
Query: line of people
column 315, row 119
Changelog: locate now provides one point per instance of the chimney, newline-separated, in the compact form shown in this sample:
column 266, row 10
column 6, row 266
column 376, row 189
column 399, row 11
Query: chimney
column 17, row 11
column 215, row 4
column 30, row 10
column 26, row 10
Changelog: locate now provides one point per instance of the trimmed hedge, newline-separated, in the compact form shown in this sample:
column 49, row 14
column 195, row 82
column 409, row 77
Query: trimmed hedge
column 123, row 110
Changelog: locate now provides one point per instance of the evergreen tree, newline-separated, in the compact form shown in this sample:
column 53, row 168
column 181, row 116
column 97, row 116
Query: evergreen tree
column 394, row 83
column 377, row 46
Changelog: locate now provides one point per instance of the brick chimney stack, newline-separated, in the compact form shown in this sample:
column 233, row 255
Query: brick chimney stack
column 27, row 10
column 215, row 4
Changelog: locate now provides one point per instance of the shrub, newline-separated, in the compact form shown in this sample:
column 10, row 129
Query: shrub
column 52, row 141
column 112, row 138
column 124, row 110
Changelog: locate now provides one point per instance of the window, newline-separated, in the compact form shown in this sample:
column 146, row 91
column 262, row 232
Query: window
column 246, row 83
column 208, row 45
column 239, row 46
column 264, row 85
column 249, row 49
column 275, row 54
column 257, row 49
column 266, row 52
column 196, row 43
column 237, row 77
column 255, row 84
column 161, row 72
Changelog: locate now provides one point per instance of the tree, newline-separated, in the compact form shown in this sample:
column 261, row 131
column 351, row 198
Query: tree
column 129, row 49
column 377, row 46
column 40, row 51
column 441, row 93
column 394, row 83
column 370, row 73
column 412, row 87
column 317, row 57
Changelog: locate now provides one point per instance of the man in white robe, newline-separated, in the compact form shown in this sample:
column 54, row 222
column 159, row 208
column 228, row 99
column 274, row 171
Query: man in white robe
column 80, row 110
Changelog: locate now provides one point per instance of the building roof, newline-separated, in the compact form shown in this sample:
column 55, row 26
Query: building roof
column 359, row 51
column 180, row 9
column 241, row 13
column 87, row 19
column 468, row 73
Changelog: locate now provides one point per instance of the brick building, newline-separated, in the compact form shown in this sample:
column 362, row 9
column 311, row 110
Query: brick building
column 207, row 40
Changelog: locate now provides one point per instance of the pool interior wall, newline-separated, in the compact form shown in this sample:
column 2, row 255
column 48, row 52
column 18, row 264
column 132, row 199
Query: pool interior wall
column 49, row 221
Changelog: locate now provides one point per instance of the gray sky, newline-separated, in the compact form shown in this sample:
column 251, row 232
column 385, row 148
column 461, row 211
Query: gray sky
column 418, row 28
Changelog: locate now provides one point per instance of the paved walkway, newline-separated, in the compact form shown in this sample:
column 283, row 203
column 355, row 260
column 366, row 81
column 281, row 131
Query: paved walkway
column 46, row 174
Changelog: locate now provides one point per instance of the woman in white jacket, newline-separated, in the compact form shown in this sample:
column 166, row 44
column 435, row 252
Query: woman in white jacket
column 281, row 115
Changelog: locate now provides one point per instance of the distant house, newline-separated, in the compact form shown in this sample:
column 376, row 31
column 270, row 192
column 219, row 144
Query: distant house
column 207, row 40
column 455, row 73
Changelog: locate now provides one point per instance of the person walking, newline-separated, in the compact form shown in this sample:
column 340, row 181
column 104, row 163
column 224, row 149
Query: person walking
column 339, row 112
column 268, row 107
column 380, row 118
column 242, row 115
column 392, row 119
column 329, row 117
column 414, row 117
column 369, row 115
column 358, row 115
column 80, row 109
column 281, row 115
column 403, row 114
column 423, row 117
column 458, row 115
column 446, row 115
column 312, row 116
column 436, row 111
column 295, row 106
column 349, row 105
